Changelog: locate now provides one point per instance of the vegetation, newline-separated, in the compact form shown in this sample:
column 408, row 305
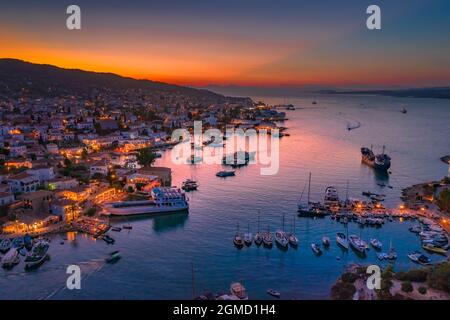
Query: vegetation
column 407, row 286
column 386, row 284
column 349, row 277
column 439, row 277
column 444, row 200
column 414, row 275
column 146, row 157
column 422, row 290
column 343, row 291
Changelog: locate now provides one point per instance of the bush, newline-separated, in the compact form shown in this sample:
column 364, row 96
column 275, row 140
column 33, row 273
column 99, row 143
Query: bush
column 407, row 286
column 415, row 275
column 349, row 277
column 343, row 291
column 422, row 290
column 439, row 277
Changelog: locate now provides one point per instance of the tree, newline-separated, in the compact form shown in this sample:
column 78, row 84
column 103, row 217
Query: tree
column 444, row 200
column 146, row 157
column 407, row 286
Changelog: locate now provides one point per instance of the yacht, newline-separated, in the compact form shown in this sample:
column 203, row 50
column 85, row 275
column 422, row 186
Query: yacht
column 238, row 241
column 248, row 237
column 163, row 200
column 331, row 198
column 357, row 243
column 281, row 239
column 308, row 208
column 267, row 239
column 420, row 258
column 342, row 240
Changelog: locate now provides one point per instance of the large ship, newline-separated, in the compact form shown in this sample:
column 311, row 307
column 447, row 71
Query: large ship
column 162, row 200
column 380, row 162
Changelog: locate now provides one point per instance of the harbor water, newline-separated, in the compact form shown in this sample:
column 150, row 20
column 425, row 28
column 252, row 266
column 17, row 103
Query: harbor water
column 181, row 255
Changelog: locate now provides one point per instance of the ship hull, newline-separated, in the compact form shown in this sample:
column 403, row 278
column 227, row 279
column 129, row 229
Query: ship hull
column 131, row 211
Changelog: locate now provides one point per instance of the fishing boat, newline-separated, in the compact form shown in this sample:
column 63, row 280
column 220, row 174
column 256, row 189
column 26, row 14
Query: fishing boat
column 113, row 257
column 226, row 173
column 189, row 185
column 237, row 240
column 357, row 243
column 381, row 162
column 38, row 255
column 238, row 290
column 10, row 259
column 420, row 258
column 258, row 235
column 342, row 240
column 326, row 241
column 316, row 248
column 434, row 249
column 5, row 245
column 273, row 293
column 376, row 244
column 267, row 239
column 163, row 200
column 248, row 237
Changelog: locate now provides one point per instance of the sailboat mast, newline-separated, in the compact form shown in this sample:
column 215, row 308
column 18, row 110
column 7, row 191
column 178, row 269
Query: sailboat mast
column 258, row 220
column 346, row 193
column 309, row 186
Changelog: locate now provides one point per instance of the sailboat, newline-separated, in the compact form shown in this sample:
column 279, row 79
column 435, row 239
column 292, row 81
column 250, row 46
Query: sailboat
column 238, row 242
column 293, row 240
column 309, row 209
column 258, row 235
column 342, row 239
column 392, row 254
column 248, row 237
column 267, row 239
column 280, row 237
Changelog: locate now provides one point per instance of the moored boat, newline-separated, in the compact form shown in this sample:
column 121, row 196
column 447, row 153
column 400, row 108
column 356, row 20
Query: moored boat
column 316, row 248
column 434, row 249
column 342, row 240
column 326, row 241
column 38, row 255
column 10, row 259
column 357, row 243
column 381, row 162
column 273, row 293
column 267, row 239
column 225, row 173
column 238, row 290
column 5, row 245
column 376, row 244
column 420, row 258
column 237, row 240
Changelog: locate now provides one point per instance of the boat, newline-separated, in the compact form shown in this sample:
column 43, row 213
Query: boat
column 226, row 173
column 163, row 200
column 420, row 258
column 238, row 290
column 258, row 235
column 392, row 254
column 403, row 110
column 357, row 243
column 248, row 237
column 10, row 259
column 273, row 293
column 189, row 185
column 113, row 257
column 5, row 245
column 18, row 242
column 267, row 239
column 308, row 208
column 342, row 240
column 116, row 229
column 292, row 238
column 38, row 255
column 331, row 198
column 237, row 240
column 28, row 241
column 382, row 255
column 434, row 249
column 127, row 226
column 316, row 248
column 326, row 241
column 281, row 238
column 381, row 162
column 376, row 244
column 107, row 239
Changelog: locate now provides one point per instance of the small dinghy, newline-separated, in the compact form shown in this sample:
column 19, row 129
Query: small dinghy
column 326, row 241
column 273, row 293
column 376, row 244
column 316, row 249
column 113, row 257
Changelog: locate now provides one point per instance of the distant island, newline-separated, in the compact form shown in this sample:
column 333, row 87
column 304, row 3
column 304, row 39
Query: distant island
column 436, row 92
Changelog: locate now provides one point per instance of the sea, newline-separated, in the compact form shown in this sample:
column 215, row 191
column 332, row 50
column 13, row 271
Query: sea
column 179, row 256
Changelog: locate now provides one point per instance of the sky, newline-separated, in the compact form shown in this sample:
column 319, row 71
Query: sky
column 238, row 42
